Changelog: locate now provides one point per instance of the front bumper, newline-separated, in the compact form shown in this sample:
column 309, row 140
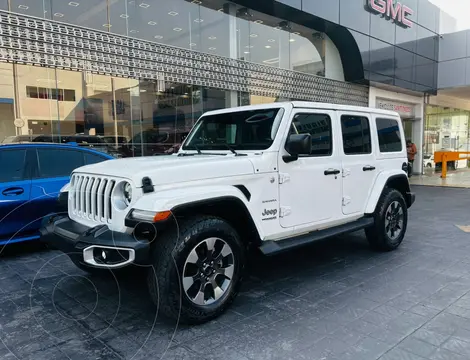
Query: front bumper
column 97, row 247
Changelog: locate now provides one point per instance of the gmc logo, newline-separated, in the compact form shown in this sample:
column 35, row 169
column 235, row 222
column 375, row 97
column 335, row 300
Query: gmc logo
column 391, row 9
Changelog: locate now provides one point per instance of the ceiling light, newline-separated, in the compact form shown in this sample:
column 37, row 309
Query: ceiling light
column 152, row 23
column 177, row 29
column 23, row 7
column 212, row 48
column 192, row 44
column 271, row 61
column 197, row 2
column 124, row 16
column 291, row 40
column 246, row 52
column 172, row 13
column 249, row 46
column 172, row 88
column 186, row 94
column 134, row 31
column 107, row 25
column 144, row 5
column 258, row 21
column 253, row 35
column 158, row 37
column 268, row 46
column 212, row 38
column 198, row 20
column 143, row 90
column 271, row 40
column 58, row 14
column 73, row 3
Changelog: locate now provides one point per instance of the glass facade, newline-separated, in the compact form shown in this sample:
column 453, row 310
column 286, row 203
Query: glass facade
column 446, row 129
column 141, row 94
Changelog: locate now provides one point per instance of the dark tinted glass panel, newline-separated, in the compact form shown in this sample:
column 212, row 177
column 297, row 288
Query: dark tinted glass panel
column 13, row 165
column 382, row 57
column 93, row 158
column 389, row 135
column 57, row 163
column 404, row 64
column 356, row 135
column 317, row 125
column 427, row 43
column 363, row 42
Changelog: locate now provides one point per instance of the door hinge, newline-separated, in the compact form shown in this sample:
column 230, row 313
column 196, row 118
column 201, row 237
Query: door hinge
column 346, row 200
column 284, row 211
column 346, row 172
column 283, row 178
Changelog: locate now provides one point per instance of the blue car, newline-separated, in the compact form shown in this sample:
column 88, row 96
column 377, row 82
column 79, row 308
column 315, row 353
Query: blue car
column 31, row 176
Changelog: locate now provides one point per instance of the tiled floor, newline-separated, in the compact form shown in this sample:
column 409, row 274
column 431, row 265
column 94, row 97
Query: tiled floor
column 334, row 300
column 458, row 178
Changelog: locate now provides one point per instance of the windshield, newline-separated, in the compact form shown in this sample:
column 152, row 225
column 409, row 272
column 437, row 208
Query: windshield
column 241, row 130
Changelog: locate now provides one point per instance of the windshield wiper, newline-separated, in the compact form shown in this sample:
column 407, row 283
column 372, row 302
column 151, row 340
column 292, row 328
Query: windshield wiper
column 197, row 149
column 230, row 148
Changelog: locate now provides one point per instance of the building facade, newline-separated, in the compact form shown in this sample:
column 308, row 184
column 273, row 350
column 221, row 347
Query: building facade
column 143, row 71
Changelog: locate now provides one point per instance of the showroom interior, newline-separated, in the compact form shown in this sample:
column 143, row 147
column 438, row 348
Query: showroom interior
column 120, row 70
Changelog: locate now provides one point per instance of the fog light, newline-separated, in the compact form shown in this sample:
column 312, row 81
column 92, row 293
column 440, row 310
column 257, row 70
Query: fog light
column 108, row 257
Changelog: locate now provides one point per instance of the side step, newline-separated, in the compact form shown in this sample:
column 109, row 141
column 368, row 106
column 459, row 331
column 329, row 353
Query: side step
column 272, row 247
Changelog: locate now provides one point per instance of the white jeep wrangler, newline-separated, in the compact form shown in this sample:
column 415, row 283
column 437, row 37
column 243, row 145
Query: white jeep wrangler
column 274, row 176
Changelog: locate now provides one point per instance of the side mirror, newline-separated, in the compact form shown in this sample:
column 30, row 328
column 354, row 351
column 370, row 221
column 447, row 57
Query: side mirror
column 298, row 144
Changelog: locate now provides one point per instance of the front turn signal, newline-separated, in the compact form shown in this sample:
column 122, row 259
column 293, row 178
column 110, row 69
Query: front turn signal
column 161, row 216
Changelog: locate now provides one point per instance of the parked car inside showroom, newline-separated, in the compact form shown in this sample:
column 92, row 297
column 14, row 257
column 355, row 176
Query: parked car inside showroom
column 31, row 177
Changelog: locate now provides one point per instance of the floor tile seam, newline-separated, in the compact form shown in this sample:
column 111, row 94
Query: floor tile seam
column 419, row 328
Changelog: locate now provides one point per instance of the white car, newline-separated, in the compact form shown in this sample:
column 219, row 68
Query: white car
column 428, row 161
column 273, row 176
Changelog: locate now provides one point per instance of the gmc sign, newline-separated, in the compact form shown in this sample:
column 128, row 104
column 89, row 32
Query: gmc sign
column 393, row 10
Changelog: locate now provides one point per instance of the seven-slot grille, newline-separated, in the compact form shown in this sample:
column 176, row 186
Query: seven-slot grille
column 91, row 197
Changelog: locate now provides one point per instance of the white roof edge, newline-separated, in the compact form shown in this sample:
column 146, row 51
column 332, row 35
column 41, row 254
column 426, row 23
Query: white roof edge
column 305, row 105
column 327, row 106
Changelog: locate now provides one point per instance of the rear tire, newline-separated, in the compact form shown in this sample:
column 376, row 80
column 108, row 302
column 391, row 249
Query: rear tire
column 390, row 221
column 197, row 273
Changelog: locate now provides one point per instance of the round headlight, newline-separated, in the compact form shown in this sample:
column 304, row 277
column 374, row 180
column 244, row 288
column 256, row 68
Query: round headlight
column 127, row 193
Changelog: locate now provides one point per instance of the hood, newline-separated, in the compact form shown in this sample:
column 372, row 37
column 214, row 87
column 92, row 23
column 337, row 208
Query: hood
column 171, row 168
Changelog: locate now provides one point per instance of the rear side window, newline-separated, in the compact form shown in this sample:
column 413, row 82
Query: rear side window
column 388, row 133
column 93, row 158
column 58, row 163
column 13, row 163
column 356, row 135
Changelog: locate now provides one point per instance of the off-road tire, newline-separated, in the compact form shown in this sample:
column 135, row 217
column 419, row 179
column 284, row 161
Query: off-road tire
column 168, row 258
column 376, row 234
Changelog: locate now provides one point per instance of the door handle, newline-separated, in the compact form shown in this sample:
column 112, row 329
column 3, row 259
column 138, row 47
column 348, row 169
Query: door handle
column 368, row 168
column 13, row 191
column 332, row 172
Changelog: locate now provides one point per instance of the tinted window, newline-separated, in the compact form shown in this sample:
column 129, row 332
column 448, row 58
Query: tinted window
column 319, row 127
column 93, row 158
column 356, row 135
column 389, row 135
column 12, row 165
column 56, row 163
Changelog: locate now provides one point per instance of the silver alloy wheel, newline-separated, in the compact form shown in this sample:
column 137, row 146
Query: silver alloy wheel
column 208, row 271
column 394, row 219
